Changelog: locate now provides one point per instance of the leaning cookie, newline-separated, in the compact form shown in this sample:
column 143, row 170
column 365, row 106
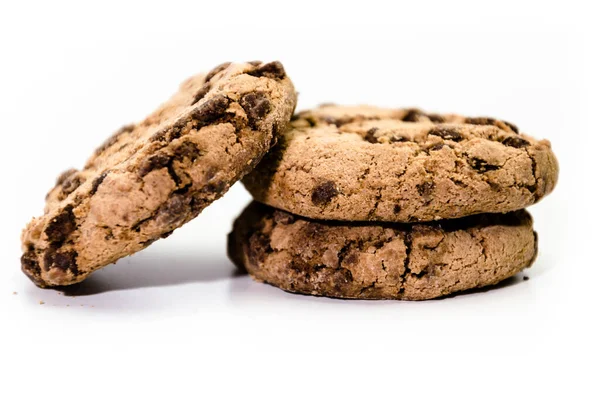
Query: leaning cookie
column 371, row 164
column 381, row 260
column 150, row 178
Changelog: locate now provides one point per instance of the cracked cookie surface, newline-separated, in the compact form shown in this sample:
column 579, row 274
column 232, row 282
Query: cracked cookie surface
column 150, row 178
column 401, row 165
column 363, row 260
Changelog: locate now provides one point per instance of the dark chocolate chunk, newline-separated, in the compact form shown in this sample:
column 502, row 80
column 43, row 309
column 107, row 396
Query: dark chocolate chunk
column 29, row 263
column 511, row 126
column 516, row 142
column 174, row 211
column 64, row 176
column 70, row 184
column 201, row 93
column 256, row 105
column 211, row 110
column 157, row 161
column 412, row 115
column 425, row 189
column 61, row 226
column 273, row 70
column 216, row 70
column 435, row 118
column 62, row 260
column 481, row 165
column 398, row 138
column 435, row 147
column 480, row 121
column 97, row 182
column 370, row 136
column 447, row 133
column 323, row 193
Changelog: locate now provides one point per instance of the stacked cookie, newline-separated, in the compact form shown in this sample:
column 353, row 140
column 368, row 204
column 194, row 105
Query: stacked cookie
column 362, row 202
column 351, row 202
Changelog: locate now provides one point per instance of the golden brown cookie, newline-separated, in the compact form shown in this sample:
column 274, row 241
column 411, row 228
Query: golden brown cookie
column 150, row 178
column 371, row 164
column 361, row 260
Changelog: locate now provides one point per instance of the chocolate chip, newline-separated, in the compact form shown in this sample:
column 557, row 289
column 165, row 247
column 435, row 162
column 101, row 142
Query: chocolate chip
column 437, row 146
column 425, row 189
column 157, row 161
column 29, row 263
column 62, row 260
column 511, row 126
column 370, row 136
column 273, row 70
column 398, row 138
column 351, row 259
column 256, row 105
column 64, row 176
column 114, row 138
column 412, row 115
column 480, row 121
column 216, row 70
column 435, row 118
column 201, row 93
column 516, row 142
column 61, row 226
column 211, row 110
column 215, row 187
column 525, row 278
column 323, row 193
column 97, row 182
column 396, row 208
column 259, row 245
column 70, row 184
column 482, row 165
column 447, row 133
column 174, row 211
column 187, row 150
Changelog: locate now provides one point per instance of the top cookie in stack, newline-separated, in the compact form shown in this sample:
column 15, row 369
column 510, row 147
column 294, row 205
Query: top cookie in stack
column 371, row 164
column 377, row 203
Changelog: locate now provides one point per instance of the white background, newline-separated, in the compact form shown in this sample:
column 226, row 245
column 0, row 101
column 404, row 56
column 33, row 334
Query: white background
column 176, row 320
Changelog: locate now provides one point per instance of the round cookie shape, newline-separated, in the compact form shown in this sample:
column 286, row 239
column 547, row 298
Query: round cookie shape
column 362, row 260
column 401, row 165
column 150, row 178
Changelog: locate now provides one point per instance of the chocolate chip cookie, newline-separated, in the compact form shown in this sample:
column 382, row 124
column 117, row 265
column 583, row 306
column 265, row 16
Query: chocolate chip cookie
column 371, row 164
column 150, row 178
column 381, row 260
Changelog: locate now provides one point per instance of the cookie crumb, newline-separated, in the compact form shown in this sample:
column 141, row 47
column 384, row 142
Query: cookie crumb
column 14, row 292
column 42, row 302
column 525, row 278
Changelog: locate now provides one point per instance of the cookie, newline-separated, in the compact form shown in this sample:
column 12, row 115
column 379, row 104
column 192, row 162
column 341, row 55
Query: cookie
column 150, row 178
column 361, row 260
column 370, row 164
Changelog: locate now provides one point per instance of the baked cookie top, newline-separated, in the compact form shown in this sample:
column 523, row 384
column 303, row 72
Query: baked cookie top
column 403, row 165
column 373, row 260
column 150, row 178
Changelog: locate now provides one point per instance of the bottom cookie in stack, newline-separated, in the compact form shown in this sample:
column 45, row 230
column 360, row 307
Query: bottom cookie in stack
column 360, row 260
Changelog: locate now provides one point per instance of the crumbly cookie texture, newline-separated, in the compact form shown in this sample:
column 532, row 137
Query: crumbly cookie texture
column 371, row 164
column 150, row 178
column 363, row 260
